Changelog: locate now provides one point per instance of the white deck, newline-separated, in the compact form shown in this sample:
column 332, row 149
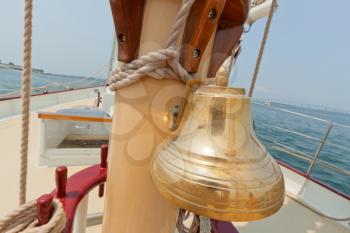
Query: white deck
column 293, row 217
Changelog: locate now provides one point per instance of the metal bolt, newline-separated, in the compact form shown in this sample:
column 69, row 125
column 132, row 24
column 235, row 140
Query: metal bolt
column 196, row 53
column 212, row 14
column 121, row 38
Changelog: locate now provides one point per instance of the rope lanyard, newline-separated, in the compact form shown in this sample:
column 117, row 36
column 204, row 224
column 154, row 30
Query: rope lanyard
column 262, row 48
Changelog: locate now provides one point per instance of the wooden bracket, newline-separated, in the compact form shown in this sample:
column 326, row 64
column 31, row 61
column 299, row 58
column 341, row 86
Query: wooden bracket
column 229, row 31
column 226, row 39
column 201, row 23
column 128, row 17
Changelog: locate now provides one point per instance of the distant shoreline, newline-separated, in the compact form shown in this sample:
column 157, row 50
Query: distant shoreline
column 40, row 71
column 303, row 106
column 12, row 66
column 69, row 76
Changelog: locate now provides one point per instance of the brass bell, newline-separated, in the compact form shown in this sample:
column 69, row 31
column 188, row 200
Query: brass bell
column 214, row 165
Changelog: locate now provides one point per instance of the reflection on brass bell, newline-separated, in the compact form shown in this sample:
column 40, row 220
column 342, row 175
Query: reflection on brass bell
column 214, row 165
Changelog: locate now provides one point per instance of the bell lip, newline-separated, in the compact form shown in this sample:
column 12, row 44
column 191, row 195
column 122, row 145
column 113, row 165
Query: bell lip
column 232, row 92
column 218, row 214
column 222, row 215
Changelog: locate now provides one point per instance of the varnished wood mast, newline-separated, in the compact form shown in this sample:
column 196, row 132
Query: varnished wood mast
column 141, row 118
column 132, row 203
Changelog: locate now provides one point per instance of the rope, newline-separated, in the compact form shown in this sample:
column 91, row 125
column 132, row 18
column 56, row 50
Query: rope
column 160, row 64
column 205, row 225
column 257, row 2
column 262, row 48
column 26, row 82
column 24, row 220
column 183, row 217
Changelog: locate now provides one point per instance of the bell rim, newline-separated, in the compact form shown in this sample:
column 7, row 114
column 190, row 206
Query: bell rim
column 213, row 179
column 229, row 215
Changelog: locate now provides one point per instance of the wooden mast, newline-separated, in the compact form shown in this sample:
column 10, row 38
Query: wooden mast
column 141, row 122
column 132, row 203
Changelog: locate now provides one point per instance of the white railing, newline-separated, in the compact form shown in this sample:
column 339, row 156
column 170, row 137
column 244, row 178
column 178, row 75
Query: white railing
column 273, row 128
column 12, row 106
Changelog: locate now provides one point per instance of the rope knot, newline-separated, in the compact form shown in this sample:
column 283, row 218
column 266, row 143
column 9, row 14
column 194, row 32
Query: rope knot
column 23, row 220
column 160, row 64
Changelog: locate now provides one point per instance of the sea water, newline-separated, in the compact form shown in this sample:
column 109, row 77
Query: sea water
column 10, row 82
column 285, row 129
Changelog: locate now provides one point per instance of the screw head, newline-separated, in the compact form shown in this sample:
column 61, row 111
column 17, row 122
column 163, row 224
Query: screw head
column 196, row 53
column 121, row 38
column 212, row 14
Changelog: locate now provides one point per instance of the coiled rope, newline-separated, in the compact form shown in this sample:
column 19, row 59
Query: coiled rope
column 24, row 220
column 161, row 64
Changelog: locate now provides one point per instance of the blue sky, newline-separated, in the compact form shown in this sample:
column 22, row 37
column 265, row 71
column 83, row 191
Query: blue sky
column 69, row 37
column 307, row 58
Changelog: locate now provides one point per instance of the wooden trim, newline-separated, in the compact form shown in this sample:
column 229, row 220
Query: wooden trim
column 55, row 116
column 128, row 17
column 201, row 23
column 228, row 34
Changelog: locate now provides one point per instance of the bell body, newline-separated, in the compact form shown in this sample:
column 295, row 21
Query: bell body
column 214, row 165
